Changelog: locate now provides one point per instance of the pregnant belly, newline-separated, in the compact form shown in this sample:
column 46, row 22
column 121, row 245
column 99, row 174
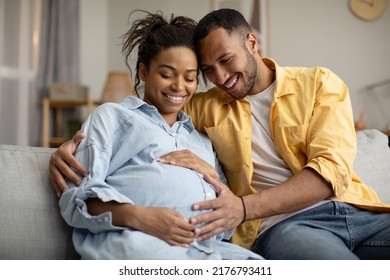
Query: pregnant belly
column 161, row 185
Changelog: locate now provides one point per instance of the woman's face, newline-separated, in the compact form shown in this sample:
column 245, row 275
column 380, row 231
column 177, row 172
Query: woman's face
column 170, row 81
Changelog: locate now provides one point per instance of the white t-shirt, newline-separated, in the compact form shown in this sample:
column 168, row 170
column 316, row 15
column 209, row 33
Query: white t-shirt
column 269, row 169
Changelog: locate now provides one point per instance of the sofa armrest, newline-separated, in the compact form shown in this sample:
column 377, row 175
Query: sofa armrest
column 31, row 224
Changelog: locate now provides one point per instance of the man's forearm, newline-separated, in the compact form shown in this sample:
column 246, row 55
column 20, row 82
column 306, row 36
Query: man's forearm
column 302, row 190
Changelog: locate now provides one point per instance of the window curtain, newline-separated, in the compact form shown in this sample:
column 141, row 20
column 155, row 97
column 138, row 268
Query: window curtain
column 58, row 54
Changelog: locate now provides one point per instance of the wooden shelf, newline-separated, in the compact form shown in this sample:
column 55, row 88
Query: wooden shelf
column 58, row 106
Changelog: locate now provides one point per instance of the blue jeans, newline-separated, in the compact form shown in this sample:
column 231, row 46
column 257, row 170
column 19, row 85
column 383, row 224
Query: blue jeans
column 331, row 231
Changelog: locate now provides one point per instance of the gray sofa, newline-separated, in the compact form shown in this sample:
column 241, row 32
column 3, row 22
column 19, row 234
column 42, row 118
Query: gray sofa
column 30, row 223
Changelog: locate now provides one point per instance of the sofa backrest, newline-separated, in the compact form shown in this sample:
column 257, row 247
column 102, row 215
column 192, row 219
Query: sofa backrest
column 372, row 163
column 31, row 226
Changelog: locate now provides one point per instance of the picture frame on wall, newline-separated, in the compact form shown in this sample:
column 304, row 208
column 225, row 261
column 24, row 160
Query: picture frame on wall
column 255, row 12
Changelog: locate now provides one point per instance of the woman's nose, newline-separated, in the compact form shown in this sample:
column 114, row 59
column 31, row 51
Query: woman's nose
column 178, row 85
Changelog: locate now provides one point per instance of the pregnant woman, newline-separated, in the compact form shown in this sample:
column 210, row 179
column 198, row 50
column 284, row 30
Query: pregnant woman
column 132, row 204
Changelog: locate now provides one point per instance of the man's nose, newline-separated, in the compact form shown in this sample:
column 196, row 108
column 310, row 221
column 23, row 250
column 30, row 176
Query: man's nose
column 220, row 75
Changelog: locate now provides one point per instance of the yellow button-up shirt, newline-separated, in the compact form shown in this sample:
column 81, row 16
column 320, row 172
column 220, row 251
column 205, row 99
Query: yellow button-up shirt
column 312, row 126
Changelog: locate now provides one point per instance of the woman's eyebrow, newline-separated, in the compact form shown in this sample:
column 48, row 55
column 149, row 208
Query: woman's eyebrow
column 174, row 69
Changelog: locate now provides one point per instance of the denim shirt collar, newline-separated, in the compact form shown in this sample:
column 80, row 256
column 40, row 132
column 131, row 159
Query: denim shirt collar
column 135, row 103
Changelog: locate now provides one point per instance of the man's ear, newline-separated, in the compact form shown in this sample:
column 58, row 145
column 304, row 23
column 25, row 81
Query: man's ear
column 142, row 72
column 252, row 43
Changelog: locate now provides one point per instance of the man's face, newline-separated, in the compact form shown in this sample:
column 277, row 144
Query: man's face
column 227, row 63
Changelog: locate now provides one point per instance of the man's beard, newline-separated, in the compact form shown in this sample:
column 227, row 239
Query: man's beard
column 251, row 74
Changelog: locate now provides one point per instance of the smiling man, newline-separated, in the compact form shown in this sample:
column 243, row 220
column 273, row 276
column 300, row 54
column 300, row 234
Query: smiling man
column 285, row 138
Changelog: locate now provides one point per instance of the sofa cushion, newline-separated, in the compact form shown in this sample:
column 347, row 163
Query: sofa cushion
column 31, row 225
column 372, row 163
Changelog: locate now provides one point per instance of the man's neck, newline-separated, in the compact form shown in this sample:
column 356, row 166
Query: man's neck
column 265, row 77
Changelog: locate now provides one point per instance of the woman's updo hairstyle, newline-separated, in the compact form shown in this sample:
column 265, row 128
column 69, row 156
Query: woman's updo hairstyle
column 153, row 34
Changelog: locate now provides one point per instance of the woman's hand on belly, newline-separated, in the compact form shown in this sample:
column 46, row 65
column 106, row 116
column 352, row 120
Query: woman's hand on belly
column 165, row 224
column 161, row 222
column 185, row 158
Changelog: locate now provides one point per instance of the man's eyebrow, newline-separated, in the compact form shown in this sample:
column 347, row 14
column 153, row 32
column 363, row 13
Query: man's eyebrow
column 222, row 56
column 174, row 69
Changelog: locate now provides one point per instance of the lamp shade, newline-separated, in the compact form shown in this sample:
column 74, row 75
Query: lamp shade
column 118, row 86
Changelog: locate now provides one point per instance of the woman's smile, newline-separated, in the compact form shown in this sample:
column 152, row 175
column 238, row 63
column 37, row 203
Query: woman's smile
column 176, row 99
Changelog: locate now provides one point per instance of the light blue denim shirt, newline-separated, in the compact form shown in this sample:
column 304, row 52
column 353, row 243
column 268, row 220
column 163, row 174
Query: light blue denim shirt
column 120, row 150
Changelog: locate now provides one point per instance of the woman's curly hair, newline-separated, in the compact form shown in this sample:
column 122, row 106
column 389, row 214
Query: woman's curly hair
column 153, row 34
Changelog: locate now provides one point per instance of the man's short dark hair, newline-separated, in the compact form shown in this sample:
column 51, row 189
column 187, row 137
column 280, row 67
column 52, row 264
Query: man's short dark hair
column 229, row 19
